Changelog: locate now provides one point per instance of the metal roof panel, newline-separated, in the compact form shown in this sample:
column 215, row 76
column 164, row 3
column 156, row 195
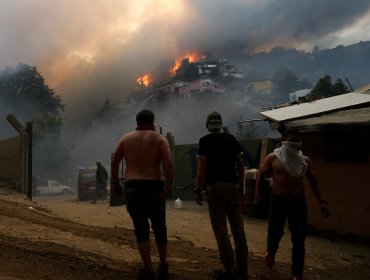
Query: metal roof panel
column 317, row 107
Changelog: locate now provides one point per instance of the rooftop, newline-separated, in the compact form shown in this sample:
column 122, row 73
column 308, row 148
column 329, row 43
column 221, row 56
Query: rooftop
column 317, row 107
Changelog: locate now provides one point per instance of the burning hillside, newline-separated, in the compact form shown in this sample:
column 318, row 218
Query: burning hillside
column 192, row 57
column 145, row 80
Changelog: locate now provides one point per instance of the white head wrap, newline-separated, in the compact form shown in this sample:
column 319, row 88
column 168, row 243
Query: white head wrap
column 292, row 158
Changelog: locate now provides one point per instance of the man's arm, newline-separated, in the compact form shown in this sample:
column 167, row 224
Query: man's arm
column 240, row 169
column 201, row 171
column 105, row 175
column 167, row 162
column 263, row 172
column 312, row 179
column 117, row 157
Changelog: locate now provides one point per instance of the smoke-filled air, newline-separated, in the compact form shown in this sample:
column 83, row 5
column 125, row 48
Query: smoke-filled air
column 105, row 60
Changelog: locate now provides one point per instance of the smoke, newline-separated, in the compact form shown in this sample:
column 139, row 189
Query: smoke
column 90, row 51
column 6, row 130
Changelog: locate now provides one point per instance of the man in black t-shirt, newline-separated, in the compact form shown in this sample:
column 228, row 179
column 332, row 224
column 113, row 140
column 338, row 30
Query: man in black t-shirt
column 221, row 167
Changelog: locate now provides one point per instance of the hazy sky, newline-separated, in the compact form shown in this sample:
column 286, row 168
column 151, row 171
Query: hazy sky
column 97, row 48
column 91, row 50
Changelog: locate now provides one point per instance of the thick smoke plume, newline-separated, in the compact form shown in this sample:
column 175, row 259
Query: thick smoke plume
column 91, row 51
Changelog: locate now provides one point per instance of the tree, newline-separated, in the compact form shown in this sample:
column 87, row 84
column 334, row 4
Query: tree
column 25, row 95
column 23, row 89
column 49, row 151
column 324, row 88
column 340, row 87
column 285, row 82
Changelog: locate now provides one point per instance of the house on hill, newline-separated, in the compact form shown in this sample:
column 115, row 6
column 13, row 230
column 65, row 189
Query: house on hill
column 208, row 66
column 295, row 96
column 218, row 67
column 200, row 85
column 263, row 86
column 336, row 136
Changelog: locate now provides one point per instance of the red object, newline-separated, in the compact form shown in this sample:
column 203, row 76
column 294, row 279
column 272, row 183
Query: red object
column 269, row 259
column 243, row 204
column 146, row 127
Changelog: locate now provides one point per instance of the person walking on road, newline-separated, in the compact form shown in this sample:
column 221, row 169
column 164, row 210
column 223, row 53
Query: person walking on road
column 148, row 180
column 221, row 166
column 287, row 167
column 101, row 182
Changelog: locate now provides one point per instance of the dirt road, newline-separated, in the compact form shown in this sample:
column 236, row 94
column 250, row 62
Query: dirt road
column 62, row 238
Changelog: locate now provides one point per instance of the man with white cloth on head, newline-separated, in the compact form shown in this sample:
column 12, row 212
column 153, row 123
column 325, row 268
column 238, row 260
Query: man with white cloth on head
column 287, row 167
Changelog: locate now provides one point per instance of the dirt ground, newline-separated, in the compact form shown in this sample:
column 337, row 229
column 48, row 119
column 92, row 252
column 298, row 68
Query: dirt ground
column 62, row 238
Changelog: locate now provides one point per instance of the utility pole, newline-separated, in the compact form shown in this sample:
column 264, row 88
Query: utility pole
column 350, row 86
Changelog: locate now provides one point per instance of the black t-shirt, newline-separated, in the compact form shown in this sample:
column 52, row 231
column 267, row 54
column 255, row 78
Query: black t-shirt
column 220, row 151
column 101, row 175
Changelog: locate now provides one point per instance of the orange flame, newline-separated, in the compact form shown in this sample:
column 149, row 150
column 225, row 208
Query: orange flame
column 144, row 80
column 192, row 56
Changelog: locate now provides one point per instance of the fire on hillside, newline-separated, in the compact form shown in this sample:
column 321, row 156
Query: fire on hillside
column 147, row 79
column 144, row 81
column 192, row 57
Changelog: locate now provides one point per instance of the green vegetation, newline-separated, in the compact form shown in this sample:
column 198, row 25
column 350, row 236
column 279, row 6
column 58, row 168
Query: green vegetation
column 325, row 88
column 25, row 95
column 285, row 82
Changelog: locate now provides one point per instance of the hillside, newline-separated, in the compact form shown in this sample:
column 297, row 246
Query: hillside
column 350, row 62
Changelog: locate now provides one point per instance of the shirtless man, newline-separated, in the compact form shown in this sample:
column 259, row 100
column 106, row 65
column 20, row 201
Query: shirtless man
column 287, row 167
column 148, row 180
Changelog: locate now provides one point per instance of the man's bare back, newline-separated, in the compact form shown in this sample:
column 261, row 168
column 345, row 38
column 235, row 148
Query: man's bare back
column 144, row 152
column 148, row 181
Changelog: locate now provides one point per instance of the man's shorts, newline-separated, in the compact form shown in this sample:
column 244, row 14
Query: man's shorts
column 144, row 204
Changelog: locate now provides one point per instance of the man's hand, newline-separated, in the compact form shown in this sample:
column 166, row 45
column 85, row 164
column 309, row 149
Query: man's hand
column 117, row 188
column 325, row 212
column 199, row 199
column 164, row 194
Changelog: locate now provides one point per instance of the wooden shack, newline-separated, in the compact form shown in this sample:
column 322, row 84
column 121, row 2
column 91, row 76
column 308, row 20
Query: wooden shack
column 336, row 136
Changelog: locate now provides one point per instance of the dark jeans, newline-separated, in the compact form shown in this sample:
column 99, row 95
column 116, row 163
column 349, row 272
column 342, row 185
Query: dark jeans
column 144, row 204
column 294, row 209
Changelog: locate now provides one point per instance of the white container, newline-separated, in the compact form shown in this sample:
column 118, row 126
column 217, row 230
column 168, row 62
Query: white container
column 177, row 203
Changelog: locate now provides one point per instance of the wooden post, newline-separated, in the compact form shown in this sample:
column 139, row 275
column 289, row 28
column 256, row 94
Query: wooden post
column 29, row 160
column 24, row 152
column 264, row 148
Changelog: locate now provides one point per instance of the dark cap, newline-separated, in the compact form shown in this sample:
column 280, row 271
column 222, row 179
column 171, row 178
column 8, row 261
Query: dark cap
column 214, row 121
